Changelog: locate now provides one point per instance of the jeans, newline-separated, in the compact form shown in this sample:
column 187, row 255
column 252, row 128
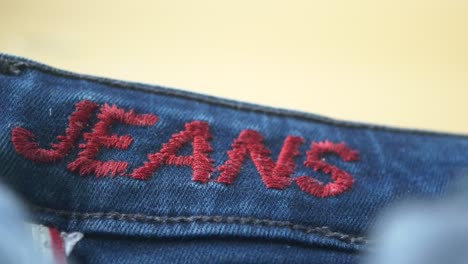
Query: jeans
column 151, row 174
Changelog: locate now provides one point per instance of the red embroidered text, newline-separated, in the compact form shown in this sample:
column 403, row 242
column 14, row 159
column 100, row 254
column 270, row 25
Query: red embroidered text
column 249, row 144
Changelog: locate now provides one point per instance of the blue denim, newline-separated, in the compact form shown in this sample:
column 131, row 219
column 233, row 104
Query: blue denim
column 16, row 243
column 170, row 218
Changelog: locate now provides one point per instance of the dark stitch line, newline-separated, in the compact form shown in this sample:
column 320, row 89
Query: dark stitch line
column 322, row 230
column 7, row 60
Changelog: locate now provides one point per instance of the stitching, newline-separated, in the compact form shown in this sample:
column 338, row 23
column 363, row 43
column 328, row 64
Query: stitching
column 23, row 139
column 285, row 166
column 343, row 181
column 249, row 143
column 201, row 163
column 274, row 175
column 86, row 162
column 5, row 60
column 166, row 220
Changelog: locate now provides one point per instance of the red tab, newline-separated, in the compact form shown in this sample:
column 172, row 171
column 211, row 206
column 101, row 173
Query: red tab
column 57, row 246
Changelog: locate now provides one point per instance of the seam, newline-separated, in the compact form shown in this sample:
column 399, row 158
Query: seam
column 323, row 231
column 11, row 65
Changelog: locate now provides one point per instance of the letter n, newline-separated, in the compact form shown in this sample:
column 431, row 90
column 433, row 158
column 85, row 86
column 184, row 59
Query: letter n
column 274, row 175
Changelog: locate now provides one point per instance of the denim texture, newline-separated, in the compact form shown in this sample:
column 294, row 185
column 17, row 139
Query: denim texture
column 223, row 250
column 394, row 164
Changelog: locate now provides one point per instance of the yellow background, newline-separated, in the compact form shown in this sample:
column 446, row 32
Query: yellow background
column 400, row 62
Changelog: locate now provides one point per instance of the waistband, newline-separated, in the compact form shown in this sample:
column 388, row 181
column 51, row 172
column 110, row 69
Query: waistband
column 103, row 156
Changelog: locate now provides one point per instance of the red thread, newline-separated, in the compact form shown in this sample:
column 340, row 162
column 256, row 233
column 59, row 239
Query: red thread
column 86, row 162
column 198, row 132
column 24, row 144
column 343, row 181
column 285, row 166
column 274, row 175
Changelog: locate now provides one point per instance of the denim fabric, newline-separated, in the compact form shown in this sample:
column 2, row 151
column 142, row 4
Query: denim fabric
column 203, row 250
column 394, row 164
column 16, row 243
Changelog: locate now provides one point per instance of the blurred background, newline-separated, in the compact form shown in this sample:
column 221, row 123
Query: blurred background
column 398, row 62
